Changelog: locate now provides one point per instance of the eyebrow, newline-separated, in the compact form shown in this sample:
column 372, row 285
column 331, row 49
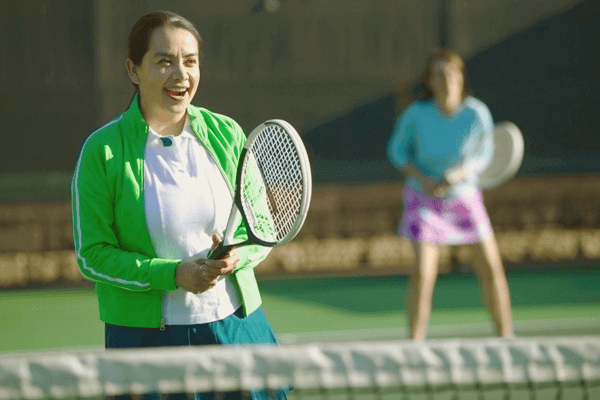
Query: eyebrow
column 163, row 54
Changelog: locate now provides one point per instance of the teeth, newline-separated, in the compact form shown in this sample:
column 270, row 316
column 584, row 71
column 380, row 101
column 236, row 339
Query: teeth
column 178, row 90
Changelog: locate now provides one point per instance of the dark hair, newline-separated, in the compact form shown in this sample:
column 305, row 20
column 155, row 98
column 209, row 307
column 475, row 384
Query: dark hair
column 139, row 37
column 451, row 56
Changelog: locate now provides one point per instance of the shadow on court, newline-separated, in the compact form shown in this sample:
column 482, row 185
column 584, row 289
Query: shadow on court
column 528, row 287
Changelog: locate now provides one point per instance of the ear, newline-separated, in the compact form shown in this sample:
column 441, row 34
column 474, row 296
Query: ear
column 132, row 71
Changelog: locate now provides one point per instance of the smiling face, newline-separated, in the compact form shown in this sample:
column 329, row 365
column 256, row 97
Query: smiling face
column 168, row 75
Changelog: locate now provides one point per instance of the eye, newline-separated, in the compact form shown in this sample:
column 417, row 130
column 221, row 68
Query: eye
column 165, row 61
column 191, row 61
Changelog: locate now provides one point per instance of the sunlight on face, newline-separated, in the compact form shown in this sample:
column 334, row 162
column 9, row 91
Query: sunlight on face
column 169, row 73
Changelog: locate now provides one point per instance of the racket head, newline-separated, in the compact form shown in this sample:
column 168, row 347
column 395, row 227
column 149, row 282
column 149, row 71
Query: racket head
column 509, row 148
column 274, row 183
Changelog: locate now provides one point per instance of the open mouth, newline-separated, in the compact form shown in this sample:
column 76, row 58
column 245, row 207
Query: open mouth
column 177, row 93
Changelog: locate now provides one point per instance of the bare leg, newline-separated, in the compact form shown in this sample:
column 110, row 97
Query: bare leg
column 421, row 283
column 494, row 287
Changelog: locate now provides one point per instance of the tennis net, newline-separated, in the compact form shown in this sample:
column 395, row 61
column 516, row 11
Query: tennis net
column 565, row 368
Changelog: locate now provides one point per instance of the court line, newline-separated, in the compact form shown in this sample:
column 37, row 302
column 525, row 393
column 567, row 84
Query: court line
column 541, row 327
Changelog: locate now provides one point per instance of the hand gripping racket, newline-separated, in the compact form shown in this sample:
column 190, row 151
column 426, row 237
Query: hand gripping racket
column 273, row 188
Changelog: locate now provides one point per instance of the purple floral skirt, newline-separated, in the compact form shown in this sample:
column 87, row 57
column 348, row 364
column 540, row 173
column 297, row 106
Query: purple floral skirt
column 455, row 221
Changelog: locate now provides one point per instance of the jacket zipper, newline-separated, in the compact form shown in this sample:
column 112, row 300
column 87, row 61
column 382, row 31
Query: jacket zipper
column 142, row 181
column 223, row 174
column 209, row 150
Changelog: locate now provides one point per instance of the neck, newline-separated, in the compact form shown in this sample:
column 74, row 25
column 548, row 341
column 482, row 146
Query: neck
column 163, row 123
column 448, row 103
column 164, row 127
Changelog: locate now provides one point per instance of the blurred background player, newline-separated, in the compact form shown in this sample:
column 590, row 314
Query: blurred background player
column 440, row 143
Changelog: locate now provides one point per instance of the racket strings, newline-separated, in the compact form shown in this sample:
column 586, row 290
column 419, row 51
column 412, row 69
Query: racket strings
column 276, row 158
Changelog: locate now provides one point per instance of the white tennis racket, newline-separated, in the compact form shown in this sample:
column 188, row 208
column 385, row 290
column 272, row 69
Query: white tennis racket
column 273, row 188
column 508, row 156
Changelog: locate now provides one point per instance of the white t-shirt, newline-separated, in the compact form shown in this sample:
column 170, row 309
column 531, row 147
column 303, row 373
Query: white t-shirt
column 187, row 200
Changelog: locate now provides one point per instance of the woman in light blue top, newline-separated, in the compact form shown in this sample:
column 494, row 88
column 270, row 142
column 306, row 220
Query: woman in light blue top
column 441, row 143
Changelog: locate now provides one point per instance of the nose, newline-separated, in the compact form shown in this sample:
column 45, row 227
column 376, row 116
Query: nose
column 448, row 76
column 180, row 73
column 443, row 77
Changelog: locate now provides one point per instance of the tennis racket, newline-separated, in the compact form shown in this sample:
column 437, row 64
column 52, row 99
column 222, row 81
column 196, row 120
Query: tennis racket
column 273, row 188
column 508, row 156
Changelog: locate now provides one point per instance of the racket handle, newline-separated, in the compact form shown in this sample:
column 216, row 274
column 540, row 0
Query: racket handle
column 219, row 252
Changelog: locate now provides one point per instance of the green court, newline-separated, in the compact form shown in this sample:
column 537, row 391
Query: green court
column 546, row 302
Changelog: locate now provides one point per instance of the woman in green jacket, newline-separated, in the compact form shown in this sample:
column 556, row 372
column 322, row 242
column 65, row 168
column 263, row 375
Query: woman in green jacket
column 151, row 195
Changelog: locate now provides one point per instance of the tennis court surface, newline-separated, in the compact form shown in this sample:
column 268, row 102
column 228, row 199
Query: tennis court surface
column 546, row 302
column 342, row 338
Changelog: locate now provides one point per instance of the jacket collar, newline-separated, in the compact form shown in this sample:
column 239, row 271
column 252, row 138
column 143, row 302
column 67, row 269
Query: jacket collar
column 137, row 128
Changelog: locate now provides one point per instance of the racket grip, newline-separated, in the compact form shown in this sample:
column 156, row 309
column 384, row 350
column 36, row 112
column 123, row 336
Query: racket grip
column 218, row 252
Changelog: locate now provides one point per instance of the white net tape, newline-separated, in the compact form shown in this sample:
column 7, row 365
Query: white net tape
column 276, row 157
column 333, row 365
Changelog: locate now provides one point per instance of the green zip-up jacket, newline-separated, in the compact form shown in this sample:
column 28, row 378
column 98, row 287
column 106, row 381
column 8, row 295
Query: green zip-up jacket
column 112, row 243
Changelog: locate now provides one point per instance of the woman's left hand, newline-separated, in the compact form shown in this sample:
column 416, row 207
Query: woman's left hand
column 455, row 175
column 231, row 257
column 440, row 189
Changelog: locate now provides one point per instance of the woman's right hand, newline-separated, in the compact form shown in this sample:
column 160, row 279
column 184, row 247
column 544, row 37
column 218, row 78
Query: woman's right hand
column 431, row 186
column 435, row 188
column 198, row 275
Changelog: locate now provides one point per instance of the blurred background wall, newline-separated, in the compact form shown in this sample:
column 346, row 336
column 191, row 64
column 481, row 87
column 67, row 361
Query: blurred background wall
column 63, row 61
column 340, row 72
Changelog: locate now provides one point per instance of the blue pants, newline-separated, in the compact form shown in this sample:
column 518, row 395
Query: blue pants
column 235, row 329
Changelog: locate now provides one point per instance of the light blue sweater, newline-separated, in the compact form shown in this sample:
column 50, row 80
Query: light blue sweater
column 433, row 142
